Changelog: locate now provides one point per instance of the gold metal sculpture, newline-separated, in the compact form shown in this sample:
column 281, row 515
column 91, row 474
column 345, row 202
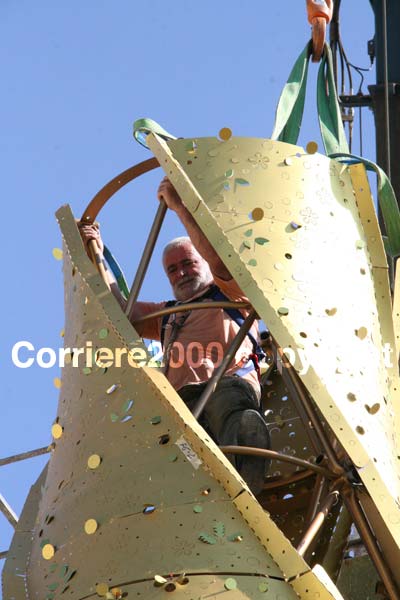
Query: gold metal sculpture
column 136, row 498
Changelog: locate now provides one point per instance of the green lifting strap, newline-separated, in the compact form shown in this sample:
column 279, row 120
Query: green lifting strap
column 142, row 128
column 288, row 120
column 386, row 198
column 330, row 119
column 289, row 112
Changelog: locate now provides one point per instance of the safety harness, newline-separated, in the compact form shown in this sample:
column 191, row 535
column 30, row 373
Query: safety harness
column 214, row 293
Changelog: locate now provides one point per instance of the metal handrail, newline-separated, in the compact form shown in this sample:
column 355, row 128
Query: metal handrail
column 249, row 451
column 169, row 310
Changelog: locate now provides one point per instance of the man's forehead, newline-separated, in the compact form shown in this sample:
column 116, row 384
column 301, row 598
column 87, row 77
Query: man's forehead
column 178, row 253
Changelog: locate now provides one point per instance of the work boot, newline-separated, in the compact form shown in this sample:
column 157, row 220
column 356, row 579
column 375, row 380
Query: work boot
column 253, row 432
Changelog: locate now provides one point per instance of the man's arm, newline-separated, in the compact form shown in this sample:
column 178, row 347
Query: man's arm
column 139, row 309
column 168, row 194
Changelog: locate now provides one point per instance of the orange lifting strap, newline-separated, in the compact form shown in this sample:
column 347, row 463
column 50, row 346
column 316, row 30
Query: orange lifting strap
column 319, row 13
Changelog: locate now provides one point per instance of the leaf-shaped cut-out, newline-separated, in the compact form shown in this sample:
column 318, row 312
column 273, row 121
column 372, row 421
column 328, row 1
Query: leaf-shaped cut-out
column 114, row 417
column 219, row 529
column 252, row 262
column 127, row 405
column 70, row 575
column 240, row 181
column 206, row 538
column 226, row 186
column 248, row 233
column 261, row 241
column 64, row 570
column 52, row 587
column 229, row 173
column 244, row 246
column 126, row 418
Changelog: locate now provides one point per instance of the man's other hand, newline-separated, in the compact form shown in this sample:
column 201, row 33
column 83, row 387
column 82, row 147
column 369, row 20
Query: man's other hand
column 168, row 194
column 91, row 232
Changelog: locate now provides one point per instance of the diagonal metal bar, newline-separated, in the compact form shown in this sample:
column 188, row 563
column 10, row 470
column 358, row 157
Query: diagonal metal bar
column 371, row 544
column 146, row 256
column 24, row 455
column 8, row 512
column 292, row 377
column 230, row 353
column 297, row 399
column 317, row 522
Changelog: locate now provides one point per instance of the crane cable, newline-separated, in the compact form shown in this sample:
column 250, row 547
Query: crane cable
column 386, row 87
column 346, row 66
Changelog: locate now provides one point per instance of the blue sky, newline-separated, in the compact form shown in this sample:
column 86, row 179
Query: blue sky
column 75, row 76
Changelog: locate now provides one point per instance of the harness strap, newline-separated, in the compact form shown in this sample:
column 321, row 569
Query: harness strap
column 214, row 293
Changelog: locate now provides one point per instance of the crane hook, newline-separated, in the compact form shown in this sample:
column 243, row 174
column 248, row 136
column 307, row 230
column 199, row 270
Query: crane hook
column 319, row 13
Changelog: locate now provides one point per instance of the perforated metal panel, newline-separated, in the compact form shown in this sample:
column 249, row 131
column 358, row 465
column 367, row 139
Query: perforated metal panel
column 136, row 493
column 299, row 234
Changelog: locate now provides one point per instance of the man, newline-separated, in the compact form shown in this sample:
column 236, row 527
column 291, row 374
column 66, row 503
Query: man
column 194, row 341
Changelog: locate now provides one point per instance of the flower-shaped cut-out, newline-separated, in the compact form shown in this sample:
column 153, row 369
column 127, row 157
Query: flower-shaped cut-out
column 309, row 216
column 259, row 161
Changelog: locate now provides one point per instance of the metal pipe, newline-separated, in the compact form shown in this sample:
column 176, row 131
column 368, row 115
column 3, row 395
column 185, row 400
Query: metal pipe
column 273, row 483
column 369, row 541
column 8, row 512
column 249, row 451
column 230, row 353
column 333, row 558
column 315, row 498
column 190, row 306
column 25, row 455
column 146, row 256
column 317, row 522
column 98, row 260
column 298, row 400
column 334, row 465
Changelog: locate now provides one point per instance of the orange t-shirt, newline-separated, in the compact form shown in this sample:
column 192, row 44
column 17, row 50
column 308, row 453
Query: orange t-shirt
column 202, row 340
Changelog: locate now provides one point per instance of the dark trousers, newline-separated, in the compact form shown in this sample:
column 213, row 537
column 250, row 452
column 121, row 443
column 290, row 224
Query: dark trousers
column 221, row 415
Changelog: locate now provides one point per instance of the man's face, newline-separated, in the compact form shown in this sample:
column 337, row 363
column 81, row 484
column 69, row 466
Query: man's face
column 187, row 271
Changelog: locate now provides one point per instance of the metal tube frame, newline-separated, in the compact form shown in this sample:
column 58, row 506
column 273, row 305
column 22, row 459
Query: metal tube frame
column 24, row 455
column 334, row 465
column 190, row 306
column 147, row 254
column 298, row 401
column 315, row 498
column 317, row 522
column 370, row 543
column 250, row 451
column 8, row 512
column 230, row 353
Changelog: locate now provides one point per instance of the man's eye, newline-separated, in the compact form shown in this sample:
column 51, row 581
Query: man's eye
column 171, row 269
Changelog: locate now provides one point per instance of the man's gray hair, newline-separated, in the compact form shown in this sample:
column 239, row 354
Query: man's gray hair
column 176, row 243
